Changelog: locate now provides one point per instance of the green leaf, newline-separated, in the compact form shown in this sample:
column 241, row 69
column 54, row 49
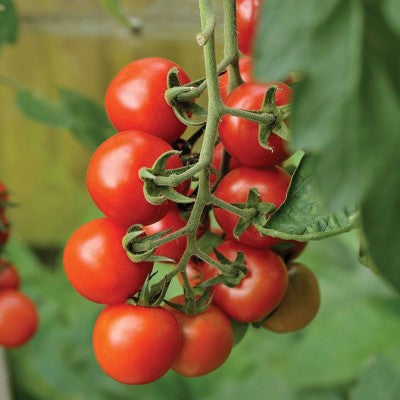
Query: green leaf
column 114, row 8
column 304, row 215
column 8, row 22
column 346, row 109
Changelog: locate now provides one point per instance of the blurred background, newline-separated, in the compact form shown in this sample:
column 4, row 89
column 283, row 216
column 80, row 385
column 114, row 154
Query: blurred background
column 352, row 349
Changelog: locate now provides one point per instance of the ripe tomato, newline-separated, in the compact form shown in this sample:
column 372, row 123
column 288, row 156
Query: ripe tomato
column 18, row 318
column 9, row 277
column 207, row 341
column 290, row 249
column 247, row 16
column 97, row 266
column 217, row 160
column 272, row 184
column 300, row 304
column 134, row 344
column 113, row 179
column 260, row 291
column 135, row 99
column 240, row 136
column 174, row 222
column 245, row 68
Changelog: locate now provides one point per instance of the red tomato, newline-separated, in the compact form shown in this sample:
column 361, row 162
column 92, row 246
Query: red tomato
column 245, row 68
column 246, row 17
column 217, row 160
column 134, row 344
column 135, row 99
column 240, row 136
column 272, row 184
column 18, row 318
column 207, row 341
column 174, row 222
column 97, row 265
column 113, row 177
column 300, row 304
column 259, row 292
column 9, row 277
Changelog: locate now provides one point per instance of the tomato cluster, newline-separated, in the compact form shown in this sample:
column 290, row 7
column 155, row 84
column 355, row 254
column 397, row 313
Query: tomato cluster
column 137, row 342
column 18, row 315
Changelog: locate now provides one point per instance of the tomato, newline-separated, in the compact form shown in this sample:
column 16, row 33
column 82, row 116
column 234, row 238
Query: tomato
column 290, row 249
column 113, row 181
column 245, row 68
column 135, row 344
column 207, row 341
column 259, row 292
column 272, row 184
column 217, row 160
column 300, row 304
column 9, row 277
column 174, row 222
column 97, row 265
column 247, row 12
column 135, row 98
column 240, row 136
column 18, row 318
column 194, row 272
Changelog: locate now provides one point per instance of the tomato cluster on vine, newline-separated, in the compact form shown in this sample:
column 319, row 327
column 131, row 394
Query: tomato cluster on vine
column 135, row 178
column 18, row 314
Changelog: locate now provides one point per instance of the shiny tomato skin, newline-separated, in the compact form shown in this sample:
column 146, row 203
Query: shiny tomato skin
column 259, row 292
column 135, row 98
column 9, row 277
column 240, row 136
column 207, row 341
column 246, row 72
column 247, row 12
column 300, row 303
column 18, row 318
column 174, row 222
column 113, row 177
column 272, row 184
column 97, row 265
column 134, row 344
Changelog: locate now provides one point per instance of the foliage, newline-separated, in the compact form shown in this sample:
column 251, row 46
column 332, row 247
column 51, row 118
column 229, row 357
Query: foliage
column 8, row 22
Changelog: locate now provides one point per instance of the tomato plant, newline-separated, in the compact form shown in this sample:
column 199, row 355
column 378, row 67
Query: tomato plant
column 136, row 91
column 9, row 277
column 247, row 12
column 97, row 266
column 134, row 344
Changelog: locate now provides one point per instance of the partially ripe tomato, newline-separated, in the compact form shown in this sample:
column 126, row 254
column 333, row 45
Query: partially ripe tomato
column 240, row 136
column 174, row 222
column 135, row 98
column 300, row 304
column 259, row 292
column 135, row 344
column 97, row 265
column 207, row 341
column 246, row 72
column 113, row 177
column 9, row 277
column 217, row 160
column 247, row 12
column 18, row 318
column 272, row 185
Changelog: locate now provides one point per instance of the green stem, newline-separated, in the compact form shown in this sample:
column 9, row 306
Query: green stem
column 242, row 213
column 255, row 116
column 175, row 180
column 209, row 260
column 146, row 245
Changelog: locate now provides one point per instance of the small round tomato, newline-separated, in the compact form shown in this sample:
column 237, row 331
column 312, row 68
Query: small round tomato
column 113, row 177
column 217, row 160
column 97, row 265
column 174, row 222
column 135, row 344
column 9, row 277
column 247, row 17
column 245, row 68
column 207, row 341
column 300, row 304
column 272, row 184
column 135, row 98
column 290, row 249
column 18, row 318
column 240, row 136
column 259, row 292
